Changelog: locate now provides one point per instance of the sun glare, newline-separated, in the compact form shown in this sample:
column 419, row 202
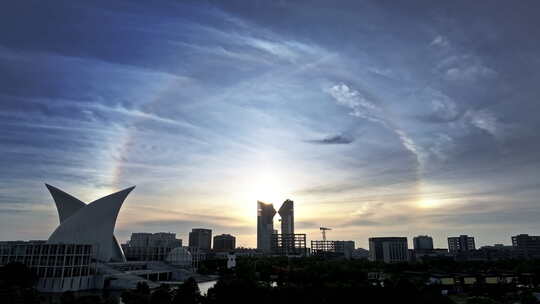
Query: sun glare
column 267, row 188
column 429, row 203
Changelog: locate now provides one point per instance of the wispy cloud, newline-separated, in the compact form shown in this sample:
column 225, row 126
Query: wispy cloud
column 220, row 94
column 440, row 41
column 484, row 120
column 461, row 67
column 444, row 107
column 361, row 107
column 354, row 100
column 469, row 73
column 137, row 113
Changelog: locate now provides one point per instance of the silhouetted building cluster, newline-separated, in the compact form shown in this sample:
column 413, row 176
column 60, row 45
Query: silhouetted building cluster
column 460, row 248
column 269, row 241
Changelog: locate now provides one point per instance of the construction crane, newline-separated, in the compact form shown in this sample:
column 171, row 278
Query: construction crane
column 323, row 231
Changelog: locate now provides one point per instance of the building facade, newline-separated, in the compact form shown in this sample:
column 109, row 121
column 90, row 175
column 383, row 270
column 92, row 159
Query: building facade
column 159, row 239
column 461, row 243
column 345, row 247
column 286, row 212
column 528, row 244
column 289, row 244
column 265, row 226
column 146, row 253
column 58, row 267
column 150, row 246
column 200, row 238
column 224, row 242
column 388, row 249
column 423, row 243
column 332, row 248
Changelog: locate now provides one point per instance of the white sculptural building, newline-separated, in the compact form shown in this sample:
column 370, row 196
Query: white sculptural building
column 82, row 252
column 76, row 254
column 89, row 224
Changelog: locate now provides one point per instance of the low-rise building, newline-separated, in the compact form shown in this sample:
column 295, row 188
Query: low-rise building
column 433, row 254
column 58, row 267
column 388, row 249
column 224, row 242
column 332, row 248
column 360, row 253
column 150, row 246
column 422, row 242
column 289, row 244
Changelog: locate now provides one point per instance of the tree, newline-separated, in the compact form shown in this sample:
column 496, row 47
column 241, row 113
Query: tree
column 142, row 288
column 17, row 274
column 68, row 297
column 141, row 294
column 527, row 298
column 481, row 300
column 161, row 295
column 188, row 293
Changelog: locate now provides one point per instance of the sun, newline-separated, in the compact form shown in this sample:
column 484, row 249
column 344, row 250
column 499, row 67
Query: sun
column 266, row 187
column 269, row 182
column 429, row 203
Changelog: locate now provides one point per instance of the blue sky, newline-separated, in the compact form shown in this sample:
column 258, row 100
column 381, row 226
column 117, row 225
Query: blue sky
column 377, row 118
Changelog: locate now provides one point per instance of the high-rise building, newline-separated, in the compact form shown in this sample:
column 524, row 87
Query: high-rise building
column 224, row 242
column 528, row 244
column 388, row 249
column 200, row 238
column 461, row 243
column 286, row 212
column 265, row 226
column 423, row 243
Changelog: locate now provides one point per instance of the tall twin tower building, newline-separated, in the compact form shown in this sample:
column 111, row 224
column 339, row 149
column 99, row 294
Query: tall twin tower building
column 265, row 223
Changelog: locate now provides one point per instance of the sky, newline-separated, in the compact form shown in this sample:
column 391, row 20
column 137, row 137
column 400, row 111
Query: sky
column 378, row 118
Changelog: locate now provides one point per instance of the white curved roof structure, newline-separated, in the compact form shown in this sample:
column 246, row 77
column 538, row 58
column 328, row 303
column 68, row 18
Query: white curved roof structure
column 89, row 224
column 179, row 257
